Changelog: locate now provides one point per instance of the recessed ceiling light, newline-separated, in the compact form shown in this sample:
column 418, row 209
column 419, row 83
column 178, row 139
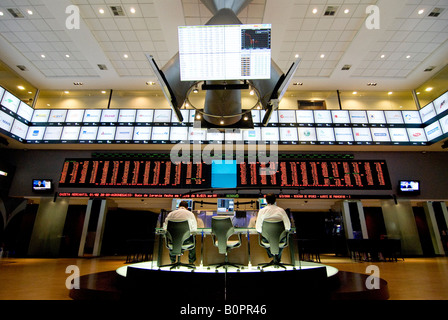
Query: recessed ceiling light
column 30, row 92
column 42, row 56
column 383, row 56
column 346, row 11
column 252, row 92
column 421, row 11
column 21, row 87
column 1, row 13
column 67, row 56
column 354, row 92
column 390, row 92
column 132, row 10
column 125, row 56
column 198, row 116
column 428, row 89
column 221, row 122
column 103, row 92
column 314, row 11
column 30, row 12
column 150, row 83
column 66, row 92
column 101, row 11
column 408, row 57
column 78, row 83
column 296, row 56
column 297, row 84
column 322, row 56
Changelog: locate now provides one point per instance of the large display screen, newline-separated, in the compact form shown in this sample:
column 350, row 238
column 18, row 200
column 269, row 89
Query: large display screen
column 225, row 52
column 133, row 173
column 318, row 174
column 327, row 174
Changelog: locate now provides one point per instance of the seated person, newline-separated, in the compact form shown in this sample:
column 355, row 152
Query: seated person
column 182, row 213
column 272, row 212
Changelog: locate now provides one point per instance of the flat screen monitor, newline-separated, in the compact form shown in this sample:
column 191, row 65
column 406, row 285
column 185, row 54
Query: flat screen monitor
column 410, row 187
column 10, row 101
column 124, row 133
column 42, row 185
column 127, row 115
column 225, row 52
column 427, row 112
column 6, row 121
column 144, row 115
column 262, row 203
column 175, row 203
column 57, row 115
column 74, row 115
column 19, row 129
column 224, row 174
column 225, row 205
column 441, row 103
column 25, row 111
column 109, row 115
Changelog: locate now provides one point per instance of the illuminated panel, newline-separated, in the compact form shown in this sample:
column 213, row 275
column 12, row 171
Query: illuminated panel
column 365, row 174
column 133, row 173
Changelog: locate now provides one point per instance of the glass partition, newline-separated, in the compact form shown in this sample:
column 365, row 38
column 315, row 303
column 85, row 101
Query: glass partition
column 15, row 84
column 73, row 99
column 433, row 88
column 377, row 100
column 309, row 100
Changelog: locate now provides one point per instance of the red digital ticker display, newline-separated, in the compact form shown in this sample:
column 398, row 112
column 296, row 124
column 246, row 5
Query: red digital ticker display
column 162, row 174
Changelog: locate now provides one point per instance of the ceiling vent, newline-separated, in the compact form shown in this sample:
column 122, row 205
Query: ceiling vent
column 429, row 68
column 436, row 12
column 117, row 11
column 22, row 67
column 102, row 66
column 346, row 67
column 16, row 13
column 330, row 11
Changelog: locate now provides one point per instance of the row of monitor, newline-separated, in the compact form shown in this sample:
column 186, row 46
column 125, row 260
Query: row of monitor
column 227, row 205
column 223, row 205
column 289, row 117
column 287, row 135
column 26, row 124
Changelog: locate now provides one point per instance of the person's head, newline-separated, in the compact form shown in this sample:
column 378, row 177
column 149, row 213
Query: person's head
column 183, row 204
column 270, row 198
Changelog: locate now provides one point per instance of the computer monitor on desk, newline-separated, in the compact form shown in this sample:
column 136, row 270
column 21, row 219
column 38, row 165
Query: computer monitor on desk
column 175, row 204
column 225, row 206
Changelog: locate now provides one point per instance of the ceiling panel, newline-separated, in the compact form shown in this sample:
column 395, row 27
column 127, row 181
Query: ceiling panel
column 408, row 40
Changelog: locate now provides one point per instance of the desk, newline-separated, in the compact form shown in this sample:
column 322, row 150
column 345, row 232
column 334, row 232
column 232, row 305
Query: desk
column 249, row 253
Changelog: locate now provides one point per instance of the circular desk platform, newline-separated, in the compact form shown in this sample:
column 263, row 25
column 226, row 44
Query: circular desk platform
column 144, row 280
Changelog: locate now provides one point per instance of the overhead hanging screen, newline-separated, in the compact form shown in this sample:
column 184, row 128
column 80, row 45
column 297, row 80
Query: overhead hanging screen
column 225, row 52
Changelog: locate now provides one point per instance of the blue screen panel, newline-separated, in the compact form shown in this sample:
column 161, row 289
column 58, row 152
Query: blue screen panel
column 224, row 174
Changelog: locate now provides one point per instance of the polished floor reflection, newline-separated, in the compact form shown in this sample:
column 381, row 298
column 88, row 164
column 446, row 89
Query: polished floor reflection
column 45, row 279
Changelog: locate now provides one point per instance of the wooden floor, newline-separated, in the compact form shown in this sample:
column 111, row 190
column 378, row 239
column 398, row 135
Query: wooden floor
column 45, row 279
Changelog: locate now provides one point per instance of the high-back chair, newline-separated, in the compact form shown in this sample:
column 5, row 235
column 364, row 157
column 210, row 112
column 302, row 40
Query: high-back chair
column 177, row 232
column 222, row 230
column 274, row 236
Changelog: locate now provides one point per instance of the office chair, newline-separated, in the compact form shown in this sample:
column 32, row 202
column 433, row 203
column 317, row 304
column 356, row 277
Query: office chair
column 177, row 232
column 274, row 236
column 222, row 229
